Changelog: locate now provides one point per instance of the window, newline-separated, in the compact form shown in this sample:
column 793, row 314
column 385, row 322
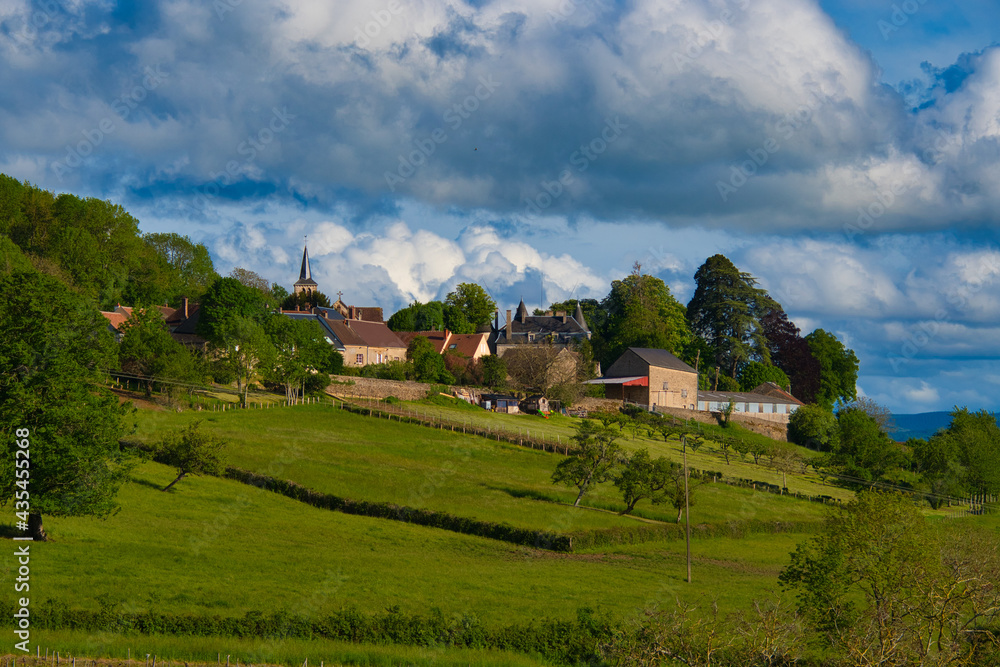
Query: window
column 666, row 386
column 684, row 393
column 360, row 359
column 453, row 346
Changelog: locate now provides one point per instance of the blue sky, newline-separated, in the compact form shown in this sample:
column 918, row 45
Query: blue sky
column 844, row 152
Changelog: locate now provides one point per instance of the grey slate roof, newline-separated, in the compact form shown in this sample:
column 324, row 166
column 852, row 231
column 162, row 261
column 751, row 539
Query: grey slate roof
column 661, row 359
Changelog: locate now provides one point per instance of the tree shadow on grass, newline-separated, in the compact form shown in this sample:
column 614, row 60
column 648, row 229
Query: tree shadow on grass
column 146, row 482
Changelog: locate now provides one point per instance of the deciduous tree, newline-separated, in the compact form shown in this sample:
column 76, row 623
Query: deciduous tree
column 55, row 351
column 838, row 369
column 592, row 462
column 474, row 302
column 191, row 451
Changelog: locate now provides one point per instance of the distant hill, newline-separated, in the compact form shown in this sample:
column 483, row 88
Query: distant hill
column 922, row 425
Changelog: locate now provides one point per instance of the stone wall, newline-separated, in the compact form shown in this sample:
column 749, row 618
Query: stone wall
column 375, row 388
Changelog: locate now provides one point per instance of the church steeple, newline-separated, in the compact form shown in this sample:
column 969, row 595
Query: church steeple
column 305, row 283
column 305, row 273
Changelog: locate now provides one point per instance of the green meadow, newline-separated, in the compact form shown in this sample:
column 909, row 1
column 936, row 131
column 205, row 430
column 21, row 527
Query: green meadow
column 215, row 547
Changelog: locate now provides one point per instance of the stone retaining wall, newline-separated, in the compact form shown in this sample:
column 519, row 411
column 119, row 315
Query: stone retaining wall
column 376, row 388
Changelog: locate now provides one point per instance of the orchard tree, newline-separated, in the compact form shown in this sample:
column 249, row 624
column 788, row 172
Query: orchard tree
column 592, row 462
column 474, row 302
column 641, row 477
column 55, row 352
column 726, row 310
column 191, row 451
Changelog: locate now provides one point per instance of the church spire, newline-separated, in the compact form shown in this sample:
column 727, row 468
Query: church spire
column 305, row 273
column 305, row 283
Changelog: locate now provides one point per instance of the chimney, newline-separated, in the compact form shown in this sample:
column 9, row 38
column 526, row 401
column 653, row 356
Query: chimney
column 184, row 306
column 353, row 312
column 510, row 327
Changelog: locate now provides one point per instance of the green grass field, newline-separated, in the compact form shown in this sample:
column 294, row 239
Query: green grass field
column 337, row 452
column 212, row 546
column 219, row 547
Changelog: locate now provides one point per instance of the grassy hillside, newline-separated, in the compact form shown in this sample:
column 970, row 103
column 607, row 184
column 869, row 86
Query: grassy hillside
column 218, row 547
column 215, row 547
column 345, row 454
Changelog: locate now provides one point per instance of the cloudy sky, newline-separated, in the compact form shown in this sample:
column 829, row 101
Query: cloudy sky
column 843, row 151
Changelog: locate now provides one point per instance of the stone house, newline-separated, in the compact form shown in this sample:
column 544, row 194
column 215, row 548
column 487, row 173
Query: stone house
column 552, row 328
column 360, row 342
column 767, row 401
column 650, row 377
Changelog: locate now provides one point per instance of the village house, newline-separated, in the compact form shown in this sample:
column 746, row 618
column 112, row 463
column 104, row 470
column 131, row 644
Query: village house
column 767, row 401
column 471, row 346
column 359, row 334
column 553, row 328
column 655, row 378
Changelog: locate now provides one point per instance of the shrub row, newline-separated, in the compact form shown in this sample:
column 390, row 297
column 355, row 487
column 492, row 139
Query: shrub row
column 606, row 537
column 567, row 642
column 498, row 531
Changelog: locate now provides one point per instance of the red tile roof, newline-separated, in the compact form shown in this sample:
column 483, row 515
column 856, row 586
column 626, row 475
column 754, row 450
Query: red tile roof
column 116, row 320
column 437, row 338
column 468, row 344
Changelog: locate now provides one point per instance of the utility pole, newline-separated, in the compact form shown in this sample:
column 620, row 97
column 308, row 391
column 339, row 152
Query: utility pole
column 687, row 512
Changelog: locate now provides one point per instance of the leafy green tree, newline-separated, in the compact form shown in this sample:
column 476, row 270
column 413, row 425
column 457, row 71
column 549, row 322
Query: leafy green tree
column 754, row 373
column 191, row 271
column 862, row 449
column 474, row 302
column 726, row 310
column 245, row 350
column 191, row 451
column 874, row 551
column 838, row 369
column 641, row 477
column 494, row 371
column 12, row 259
column 456, row 321
column 641, row 312
column 55, row 351
column 970, row 444
column 428, row 365
column 592, row 462
column 225, row 300
column 813, row 426
column 300, row 353
column 148, row 350
column 302, row 300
